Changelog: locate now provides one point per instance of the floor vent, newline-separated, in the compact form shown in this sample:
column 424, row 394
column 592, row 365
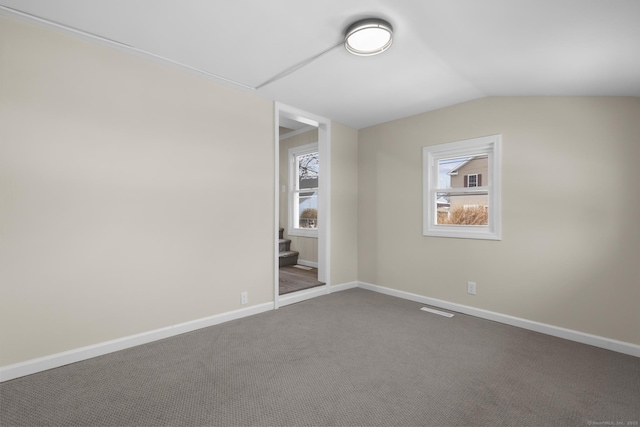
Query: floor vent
column 441, row 313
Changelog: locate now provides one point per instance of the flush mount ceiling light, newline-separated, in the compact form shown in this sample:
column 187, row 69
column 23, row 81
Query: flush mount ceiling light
column 368, row 37
column 364, row 38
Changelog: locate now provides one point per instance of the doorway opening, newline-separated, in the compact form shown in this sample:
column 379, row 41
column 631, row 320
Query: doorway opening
column 302, row 220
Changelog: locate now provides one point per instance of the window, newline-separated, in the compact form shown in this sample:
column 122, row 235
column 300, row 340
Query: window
column 461, row 193
column 472, row 180
column 304, row 168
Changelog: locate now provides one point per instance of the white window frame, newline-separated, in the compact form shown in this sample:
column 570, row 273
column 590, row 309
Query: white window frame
column 294, row 190
column 475, row 182
column 490, row 145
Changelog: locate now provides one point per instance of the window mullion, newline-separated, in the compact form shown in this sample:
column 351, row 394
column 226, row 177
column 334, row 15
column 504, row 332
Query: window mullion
column 464, row 190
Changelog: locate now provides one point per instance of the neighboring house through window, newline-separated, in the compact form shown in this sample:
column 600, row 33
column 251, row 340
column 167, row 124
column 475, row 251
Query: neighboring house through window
column 468, row 173
column 304, row 169
column 462, row 189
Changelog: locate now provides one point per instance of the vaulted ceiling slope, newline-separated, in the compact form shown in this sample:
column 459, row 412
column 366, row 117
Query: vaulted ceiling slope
column 444, row 51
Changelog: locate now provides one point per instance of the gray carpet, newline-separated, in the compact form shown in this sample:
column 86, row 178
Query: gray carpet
column 351, row 358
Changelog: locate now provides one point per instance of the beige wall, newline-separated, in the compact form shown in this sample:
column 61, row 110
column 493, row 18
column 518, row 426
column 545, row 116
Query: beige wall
column 307, row 246
column 121, row 206
column 344, row 204
column 569, row 253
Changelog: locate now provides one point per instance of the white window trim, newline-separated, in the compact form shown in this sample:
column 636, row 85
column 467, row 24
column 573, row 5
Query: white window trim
column 475, row 175
column 493, row 184
column 293, row 153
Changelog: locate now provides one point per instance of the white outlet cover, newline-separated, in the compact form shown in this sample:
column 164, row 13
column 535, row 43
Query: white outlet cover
column 471, row 288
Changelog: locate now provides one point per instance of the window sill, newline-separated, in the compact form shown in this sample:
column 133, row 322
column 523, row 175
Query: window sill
column 463, row 234
column 299, row 232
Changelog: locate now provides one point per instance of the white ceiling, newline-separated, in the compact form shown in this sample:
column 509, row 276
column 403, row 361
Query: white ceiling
column 444, row 51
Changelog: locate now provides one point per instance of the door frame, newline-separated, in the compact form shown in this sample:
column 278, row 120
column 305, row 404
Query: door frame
column 324, row 202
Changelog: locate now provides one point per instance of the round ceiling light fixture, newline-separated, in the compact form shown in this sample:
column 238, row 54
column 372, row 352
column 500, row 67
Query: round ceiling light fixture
column 368, row 37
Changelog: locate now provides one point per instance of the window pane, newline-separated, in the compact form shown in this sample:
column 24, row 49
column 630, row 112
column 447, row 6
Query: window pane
column 308, row 167
column 460, row 172
column 462, row 209
column 308, row 209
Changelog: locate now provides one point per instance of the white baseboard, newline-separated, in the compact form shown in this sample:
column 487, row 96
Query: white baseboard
column 343, row 287
column 60, row 359
column 314, row 292
column 556, row 331
column 308, row 263
column 303, row 295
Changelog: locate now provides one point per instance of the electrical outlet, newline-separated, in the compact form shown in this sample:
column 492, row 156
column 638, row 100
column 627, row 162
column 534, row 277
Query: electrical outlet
column 471, row 288
column 244, row 298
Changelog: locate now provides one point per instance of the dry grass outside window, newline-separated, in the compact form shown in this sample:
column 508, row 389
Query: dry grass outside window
column 471, row 215
column 309, row 213
column 309, row 218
